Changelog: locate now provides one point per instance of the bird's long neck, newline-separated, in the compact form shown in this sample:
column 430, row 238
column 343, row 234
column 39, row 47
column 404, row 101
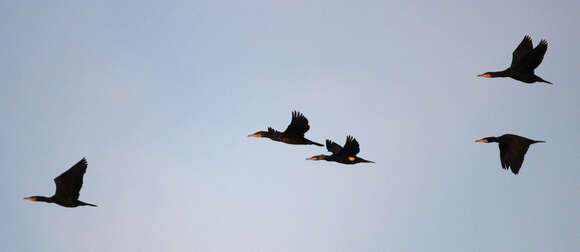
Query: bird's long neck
column 41, row 198
column 273, row 135
column 504, row 73
column 331, row 158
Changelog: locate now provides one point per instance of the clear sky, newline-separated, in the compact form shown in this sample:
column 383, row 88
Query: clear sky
column 160, row 97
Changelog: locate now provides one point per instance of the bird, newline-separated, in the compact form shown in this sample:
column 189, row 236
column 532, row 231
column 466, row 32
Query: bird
column 512, row 149
column 343, row 155
column 68, row 185
column 525, row 59
column 294, row 134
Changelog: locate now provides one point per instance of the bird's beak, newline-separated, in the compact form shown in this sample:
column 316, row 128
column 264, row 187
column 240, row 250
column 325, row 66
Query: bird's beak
column 485, row 75
column 312, row 158
column 30, row 198
column 255, row 135
column 481, row 141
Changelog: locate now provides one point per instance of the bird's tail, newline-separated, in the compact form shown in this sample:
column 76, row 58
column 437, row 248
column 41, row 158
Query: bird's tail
column 86, row 204
column 317, row 144
column 542, row 80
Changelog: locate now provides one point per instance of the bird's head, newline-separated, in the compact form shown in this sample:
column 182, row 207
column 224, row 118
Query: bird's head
column 487, row 140
column 259, row 134
column 318, row 157
column 38, row 198
column 31, row 198
column 485, row 75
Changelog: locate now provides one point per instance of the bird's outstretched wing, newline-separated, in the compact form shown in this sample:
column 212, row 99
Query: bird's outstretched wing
column 504, row 155
column 536, row 56
column 298, row 126
column 518, row 157
column 69, row 183
column 333, row 147
column 350, row 147
column 522, row 50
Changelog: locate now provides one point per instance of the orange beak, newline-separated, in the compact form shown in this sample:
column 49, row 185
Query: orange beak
column 312, row 158
column 30, row 198
column 481, row 141
column 255, row 135
column 485, row 75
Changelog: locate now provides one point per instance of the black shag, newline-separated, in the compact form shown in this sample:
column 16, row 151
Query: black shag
column 525, row 60
column 294, row 134
column 512, row 149
column 68, row 186
column 344, row 155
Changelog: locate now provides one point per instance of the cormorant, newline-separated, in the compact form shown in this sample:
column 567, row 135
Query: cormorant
column 68, row 185
column 294, row 134
column 512, row 149
column 525, row 60
column 344, row 155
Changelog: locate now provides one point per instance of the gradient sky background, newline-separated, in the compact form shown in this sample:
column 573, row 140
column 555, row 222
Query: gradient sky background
column 160, row 98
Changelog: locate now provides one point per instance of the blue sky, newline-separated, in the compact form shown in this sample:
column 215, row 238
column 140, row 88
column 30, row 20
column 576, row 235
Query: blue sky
column 160, row 98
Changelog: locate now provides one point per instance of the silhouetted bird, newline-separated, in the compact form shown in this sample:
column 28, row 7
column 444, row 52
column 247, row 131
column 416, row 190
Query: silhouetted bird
column 344, row 155
column 512, row 149
column 68, row 185
column 294, row 134
column 525, row 60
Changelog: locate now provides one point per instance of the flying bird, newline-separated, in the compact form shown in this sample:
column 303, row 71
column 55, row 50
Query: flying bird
column 294, row 134
column 343, row 155
column 68, row 185
column 525, row 60
column 512, row 149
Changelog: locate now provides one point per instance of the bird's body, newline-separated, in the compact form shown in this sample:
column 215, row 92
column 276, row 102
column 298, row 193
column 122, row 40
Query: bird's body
column 343, row 155
column 525, row 59
column 68, row 186
column 512, row 149
column 294, row 134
